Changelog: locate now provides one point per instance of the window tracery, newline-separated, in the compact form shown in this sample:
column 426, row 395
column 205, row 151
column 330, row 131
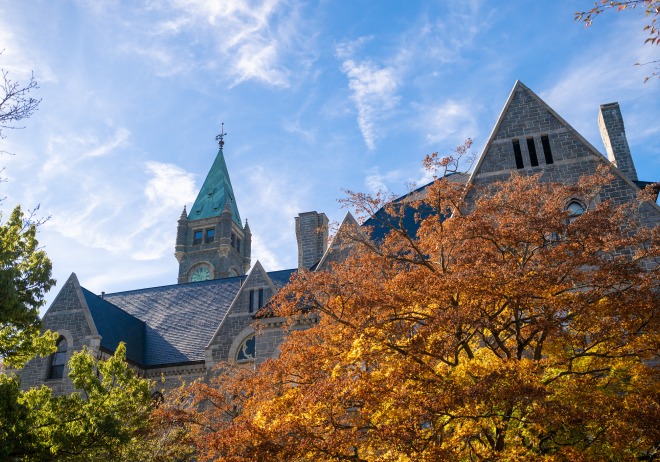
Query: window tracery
column 246, row 350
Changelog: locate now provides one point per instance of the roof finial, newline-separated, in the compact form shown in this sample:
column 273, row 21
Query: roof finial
column 219, row 138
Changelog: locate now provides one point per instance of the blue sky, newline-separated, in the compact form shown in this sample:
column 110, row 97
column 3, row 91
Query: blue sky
column 316, row 96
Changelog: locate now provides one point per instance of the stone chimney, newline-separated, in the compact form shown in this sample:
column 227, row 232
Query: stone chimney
column 613, row 133
column 312, row 236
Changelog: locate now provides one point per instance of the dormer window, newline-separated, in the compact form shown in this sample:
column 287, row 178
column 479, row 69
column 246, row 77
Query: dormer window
column 58, row 360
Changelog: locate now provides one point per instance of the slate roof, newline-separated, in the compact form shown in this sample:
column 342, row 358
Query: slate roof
column 282, row 277
column 168, row 325
column 179, row 320
column 382, row 222
column 115, row 325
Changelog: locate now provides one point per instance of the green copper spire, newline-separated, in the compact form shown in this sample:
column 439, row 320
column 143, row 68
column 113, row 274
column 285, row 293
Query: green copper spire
column 215, row 192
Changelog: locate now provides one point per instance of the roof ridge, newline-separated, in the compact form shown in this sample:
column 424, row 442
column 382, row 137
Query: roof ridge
column 183, row 284
column 87, row 291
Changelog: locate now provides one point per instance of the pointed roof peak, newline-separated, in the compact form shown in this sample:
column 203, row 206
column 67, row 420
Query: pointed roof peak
column 184, row 214
column 215, row 193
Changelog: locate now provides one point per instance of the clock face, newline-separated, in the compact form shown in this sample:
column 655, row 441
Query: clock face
column 201, row 273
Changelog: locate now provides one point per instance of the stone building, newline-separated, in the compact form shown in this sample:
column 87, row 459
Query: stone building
column 180, row 331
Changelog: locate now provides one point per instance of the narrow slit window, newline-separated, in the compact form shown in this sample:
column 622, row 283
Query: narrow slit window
column 251, row 296
column 238, row 244
column 58, row 360
column 261, row 298
column 518, row 154
column 233, row 240
column 531, row 147
column 545, row 142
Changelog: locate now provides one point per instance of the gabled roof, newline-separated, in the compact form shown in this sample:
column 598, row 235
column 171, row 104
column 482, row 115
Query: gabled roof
column 383, row 222
column 215, row 193
column 282, row 277
column 115, row 325
column 168, row 325
column 512, row 124
column 179, row 319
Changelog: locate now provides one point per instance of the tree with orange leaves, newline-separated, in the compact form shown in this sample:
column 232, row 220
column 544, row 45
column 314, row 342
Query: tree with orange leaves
column 505, row 328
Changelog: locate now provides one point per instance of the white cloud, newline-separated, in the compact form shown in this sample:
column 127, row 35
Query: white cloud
column 378, row 182
column 239, row 39
column 168, row 189
column 66, row 152
column 373, row 90
column 452, row 121
column 120, row 137
column 15, row 58
column 309, row 135
column 261, row 251
column 271, row 209
column 608, row 75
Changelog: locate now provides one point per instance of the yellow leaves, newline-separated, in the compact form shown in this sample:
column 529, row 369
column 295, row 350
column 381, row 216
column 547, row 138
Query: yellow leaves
column 486, row 344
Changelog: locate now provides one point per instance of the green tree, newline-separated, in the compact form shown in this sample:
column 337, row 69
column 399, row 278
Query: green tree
column 25, row 275
column 105, row 418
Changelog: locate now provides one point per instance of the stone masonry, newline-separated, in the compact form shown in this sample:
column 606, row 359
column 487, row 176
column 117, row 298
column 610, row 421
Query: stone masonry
column 312, row 237
column 610, row 123
column 218, row 316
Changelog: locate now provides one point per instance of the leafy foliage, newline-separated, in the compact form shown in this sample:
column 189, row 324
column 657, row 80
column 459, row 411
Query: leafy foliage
column 25, row 275
column 509, row 331
column 103, row 419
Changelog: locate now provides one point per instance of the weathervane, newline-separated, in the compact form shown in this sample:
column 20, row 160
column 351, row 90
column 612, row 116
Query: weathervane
column 219, row 138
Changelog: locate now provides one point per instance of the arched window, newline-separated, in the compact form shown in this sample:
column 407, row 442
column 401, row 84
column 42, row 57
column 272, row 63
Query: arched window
column 58, row 360
column 245, row 351
column 574, row 209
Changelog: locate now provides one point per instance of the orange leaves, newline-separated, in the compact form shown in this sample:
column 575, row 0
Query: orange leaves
column 500, row 330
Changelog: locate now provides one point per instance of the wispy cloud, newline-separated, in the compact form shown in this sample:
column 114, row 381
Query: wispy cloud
column 608, row 75
column 240, row 39
column 374, row 92
column 451, row 121
column 169, row 187
column 273, row 233
column 16, row 60
column 65, row 152
column 377, row 182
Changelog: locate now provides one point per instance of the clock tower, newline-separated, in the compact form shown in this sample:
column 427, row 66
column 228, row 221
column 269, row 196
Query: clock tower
column 211, row 241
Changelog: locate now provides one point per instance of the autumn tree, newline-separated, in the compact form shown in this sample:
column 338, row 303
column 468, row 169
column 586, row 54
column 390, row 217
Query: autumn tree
column 505, row 328
column 651, row 9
